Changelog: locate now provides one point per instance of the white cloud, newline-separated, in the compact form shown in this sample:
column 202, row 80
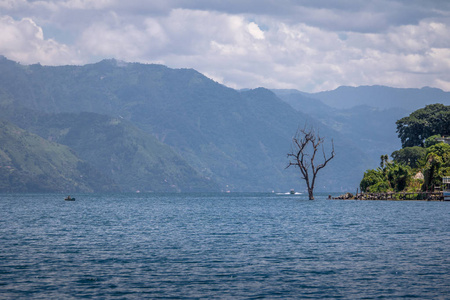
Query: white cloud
column 277, row 45
column 119, row 42
column 240, row 54
column 255, row 31
column 11, row 4
column 24, row 41
column 87, row 4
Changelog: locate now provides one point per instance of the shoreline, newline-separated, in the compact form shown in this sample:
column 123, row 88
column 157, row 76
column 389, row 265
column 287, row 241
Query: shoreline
column 395, row 196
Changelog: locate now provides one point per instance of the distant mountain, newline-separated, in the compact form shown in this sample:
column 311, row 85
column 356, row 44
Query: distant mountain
column 365, row 114
column 382, row 97
column 237, row 139
column 304, row 103
column 136, row 160
column 29, row 163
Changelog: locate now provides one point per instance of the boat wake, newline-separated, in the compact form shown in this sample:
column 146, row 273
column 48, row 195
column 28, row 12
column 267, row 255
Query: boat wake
column 290, row 194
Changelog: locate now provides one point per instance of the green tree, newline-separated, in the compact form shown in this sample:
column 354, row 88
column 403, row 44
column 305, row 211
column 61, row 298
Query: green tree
column 384, row 160
column 390, row 176
column 431, row 120
column 374, row 181
column 432, row 140
column 399, row 176
column 437, row 165
column 409, row 156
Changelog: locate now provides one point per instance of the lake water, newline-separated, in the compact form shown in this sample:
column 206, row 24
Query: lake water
column 235, row 246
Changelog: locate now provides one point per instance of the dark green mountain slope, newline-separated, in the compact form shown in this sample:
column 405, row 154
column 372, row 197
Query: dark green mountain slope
column 239, row 140
column 133, row 158
column 28, row 163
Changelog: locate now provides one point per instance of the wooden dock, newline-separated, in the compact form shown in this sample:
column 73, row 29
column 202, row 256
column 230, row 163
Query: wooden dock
column 423, row 196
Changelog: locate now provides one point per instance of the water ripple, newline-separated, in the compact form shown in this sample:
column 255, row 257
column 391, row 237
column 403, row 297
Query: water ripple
column 248, row 246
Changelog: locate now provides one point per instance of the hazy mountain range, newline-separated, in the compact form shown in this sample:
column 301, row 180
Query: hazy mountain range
column 152, row 128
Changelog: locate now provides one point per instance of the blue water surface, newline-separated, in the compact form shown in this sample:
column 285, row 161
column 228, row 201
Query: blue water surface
column 232, row 246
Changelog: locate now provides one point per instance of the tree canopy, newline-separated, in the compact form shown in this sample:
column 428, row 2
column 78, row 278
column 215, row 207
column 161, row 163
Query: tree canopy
column 409, row 156
column 390, row 176
column 398, row 175
column 437, row 165
column 423, row 160
column 431, row 120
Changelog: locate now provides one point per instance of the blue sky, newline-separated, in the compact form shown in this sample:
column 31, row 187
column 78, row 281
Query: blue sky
column 306, row 45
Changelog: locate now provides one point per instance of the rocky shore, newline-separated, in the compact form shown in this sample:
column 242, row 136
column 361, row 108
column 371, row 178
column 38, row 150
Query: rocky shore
column 427, row 196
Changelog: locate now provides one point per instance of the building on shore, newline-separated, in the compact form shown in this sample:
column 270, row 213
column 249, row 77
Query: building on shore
column 444, row 139
column 446, row 188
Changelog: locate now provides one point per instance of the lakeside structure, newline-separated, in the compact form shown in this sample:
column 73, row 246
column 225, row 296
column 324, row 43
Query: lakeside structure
column 443, row 195
column 446, row 188
column 444, row 139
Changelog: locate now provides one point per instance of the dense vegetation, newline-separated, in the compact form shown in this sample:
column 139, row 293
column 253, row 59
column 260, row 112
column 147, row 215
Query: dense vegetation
column 424, row 158
column 136, row 160
column 237, row 139
column 423, row 123
column 152, row 128
column 133, row 159
column 29, row 163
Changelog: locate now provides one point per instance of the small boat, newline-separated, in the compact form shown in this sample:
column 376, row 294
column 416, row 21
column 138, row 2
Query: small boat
column 68, row 198
column 292, row 192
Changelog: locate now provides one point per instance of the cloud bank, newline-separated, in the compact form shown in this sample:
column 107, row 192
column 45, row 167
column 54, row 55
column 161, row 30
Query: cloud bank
column 243, row 44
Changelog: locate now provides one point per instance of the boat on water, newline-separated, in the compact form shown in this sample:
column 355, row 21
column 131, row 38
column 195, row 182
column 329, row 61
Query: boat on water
column 68, row 198
column 290, row 193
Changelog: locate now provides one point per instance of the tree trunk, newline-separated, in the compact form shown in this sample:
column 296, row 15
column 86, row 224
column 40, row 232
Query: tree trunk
column 299, row 156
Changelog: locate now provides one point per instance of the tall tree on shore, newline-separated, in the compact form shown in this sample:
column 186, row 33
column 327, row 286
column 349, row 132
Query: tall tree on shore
column 305, row 145
column 433, row 119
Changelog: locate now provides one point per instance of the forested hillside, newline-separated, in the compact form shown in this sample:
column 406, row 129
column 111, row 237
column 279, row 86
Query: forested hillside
column 166, row 129
column 423, row 159
column 237, row 139
column 365, row 114
column 29, row 163
column 135, row 160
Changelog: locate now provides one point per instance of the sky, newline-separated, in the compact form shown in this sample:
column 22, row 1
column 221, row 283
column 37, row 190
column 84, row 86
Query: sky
column 306, row 45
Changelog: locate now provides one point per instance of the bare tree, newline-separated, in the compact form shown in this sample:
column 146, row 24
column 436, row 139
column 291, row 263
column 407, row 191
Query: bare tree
column 305, row 145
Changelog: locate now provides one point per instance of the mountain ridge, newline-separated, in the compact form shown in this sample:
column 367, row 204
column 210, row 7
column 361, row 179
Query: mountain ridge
column 115, row 148
column 238, row 139
column 382, row 97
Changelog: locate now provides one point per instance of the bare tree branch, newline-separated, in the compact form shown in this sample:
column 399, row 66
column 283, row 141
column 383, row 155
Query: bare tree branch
column 305, row 145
